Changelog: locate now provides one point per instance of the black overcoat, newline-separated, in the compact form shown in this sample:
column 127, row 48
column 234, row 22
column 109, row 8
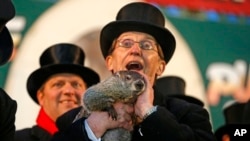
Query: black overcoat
column 35, row 133
column 8, row 109
column 174, row 120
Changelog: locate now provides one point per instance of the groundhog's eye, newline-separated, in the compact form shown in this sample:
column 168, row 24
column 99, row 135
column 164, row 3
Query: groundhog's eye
column 128, row 77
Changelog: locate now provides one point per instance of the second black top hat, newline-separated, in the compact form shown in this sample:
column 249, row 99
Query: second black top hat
column 60, row 58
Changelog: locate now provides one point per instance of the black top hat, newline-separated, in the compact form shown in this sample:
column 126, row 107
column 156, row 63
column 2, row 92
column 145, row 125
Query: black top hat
column 174, row 86
column 234, row 113
column 141, row 17
column 60, row 58
column 7, row 12
column 246, row 113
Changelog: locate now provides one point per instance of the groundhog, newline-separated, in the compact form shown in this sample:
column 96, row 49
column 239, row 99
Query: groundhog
column 123, row 86
column 117, row 134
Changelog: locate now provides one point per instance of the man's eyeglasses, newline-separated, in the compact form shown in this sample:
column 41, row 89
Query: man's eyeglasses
column 144, row 44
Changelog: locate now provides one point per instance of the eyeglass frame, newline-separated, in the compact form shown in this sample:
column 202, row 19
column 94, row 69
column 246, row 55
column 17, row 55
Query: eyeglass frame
column 159, row 50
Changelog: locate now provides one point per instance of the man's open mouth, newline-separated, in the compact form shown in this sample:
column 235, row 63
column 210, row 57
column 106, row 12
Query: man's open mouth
column 134, row 66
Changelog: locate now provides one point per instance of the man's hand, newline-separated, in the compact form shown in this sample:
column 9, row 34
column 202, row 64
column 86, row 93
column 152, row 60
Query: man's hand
column 145, row 101
column 100, row 122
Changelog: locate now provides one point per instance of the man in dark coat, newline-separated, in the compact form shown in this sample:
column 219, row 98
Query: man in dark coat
column 237, row 116
column 138, row 41
column 8, row 106
column 57, row 86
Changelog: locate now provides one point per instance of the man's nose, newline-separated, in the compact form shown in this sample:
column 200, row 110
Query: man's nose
column 135, row 49
column 68, row 89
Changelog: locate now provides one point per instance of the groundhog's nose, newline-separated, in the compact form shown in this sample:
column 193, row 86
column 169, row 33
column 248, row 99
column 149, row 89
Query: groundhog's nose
column 139, row 85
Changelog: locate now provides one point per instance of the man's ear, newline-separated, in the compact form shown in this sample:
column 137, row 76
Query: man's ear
column 109, row 63
column 161, row 67
column 39, row 96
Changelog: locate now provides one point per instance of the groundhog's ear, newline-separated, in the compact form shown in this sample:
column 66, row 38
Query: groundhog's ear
column 117, row 74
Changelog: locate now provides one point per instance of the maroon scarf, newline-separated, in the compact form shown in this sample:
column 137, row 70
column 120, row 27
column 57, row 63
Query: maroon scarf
column 45, row 122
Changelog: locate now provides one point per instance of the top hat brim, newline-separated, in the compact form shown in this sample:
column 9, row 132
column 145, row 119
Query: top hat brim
column 39, row 76
column 112, row 30
column 6, row 46
column 189, row 99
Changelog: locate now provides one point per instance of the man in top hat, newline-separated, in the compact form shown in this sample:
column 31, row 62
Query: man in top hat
column 57, row 86
column 236, row 117
column 8, row 106
column 174, row 86
column 138, row 41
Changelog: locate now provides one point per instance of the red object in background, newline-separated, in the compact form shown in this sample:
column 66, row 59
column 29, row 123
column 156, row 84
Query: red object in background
column 238, row 7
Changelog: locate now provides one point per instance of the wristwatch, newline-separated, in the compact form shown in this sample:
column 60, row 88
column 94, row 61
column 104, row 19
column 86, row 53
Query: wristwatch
column 150, row 111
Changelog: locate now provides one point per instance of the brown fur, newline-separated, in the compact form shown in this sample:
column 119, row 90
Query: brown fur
column 123, row 86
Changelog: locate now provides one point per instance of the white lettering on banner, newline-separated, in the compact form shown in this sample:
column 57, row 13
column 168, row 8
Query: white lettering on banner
column 227, row 79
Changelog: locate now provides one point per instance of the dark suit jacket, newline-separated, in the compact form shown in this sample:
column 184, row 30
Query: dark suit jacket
column 174, row 120
column 7, row 116
column 35, row 133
